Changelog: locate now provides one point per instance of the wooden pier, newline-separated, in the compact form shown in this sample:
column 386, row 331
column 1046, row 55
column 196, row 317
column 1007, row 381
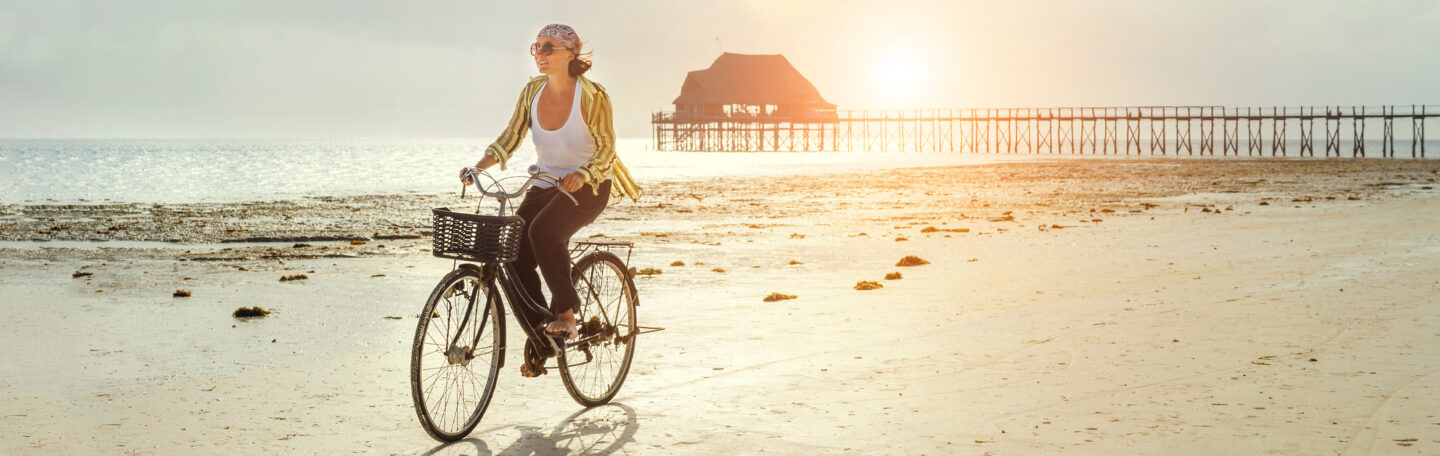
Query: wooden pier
column 1137, row 130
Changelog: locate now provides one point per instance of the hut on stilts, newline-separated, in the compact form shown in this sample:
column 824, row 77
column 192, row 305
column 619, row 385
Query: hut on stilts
column 746, row 103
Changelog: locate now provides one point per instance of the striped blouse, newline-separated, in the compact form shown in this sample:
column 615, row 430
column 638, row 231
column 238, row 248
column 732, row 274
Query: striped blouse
column 596, row 110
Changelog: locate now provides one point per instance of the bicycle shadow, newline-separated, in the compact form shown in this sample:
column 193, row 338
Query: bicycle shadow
column 459, row 448
column 598, row 430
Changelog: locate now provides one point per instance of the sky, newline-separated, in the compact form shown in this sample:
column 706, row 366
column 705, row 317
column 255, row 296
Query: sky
column 357, row 69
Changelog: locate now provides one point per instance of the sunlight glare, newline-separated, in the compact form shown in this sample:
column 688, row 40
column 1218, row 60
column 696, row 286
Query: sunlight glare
column 897, row 77
column 900, row 74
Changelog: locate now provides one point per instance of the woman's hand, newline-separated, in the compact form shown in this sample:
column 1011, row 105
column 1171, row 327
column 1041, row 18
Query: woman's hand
column 572, row 182
column 482, row 165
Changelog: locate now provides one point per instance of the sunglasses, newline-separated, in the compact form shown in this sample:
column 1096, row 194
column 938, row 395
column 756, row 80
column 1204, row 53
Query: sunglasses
column 546, row 49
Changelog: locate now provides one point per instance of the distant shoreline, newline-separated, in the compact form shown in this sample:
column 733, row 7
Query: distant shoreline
column 85, row 171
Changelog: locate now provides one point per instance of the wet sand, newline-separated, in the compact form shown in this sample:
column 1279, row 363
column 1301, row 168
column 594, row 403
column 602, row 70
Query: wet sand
column 1090, row 306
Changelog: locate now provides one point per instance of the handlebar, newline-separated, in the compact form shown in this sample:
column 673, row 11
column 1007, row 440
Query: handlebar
column 535, row 174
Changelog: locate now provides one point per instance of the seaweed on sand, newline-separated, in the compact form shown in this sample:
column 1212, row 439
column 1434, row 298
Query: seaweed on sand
column 779, row 297
column 250, row 312
column 867, row 285
column 911, row 260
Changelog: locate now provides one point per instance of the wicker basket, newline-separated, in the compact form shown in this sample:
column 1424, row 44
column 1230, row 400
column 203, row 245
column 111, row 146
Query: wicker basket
column 475, row 237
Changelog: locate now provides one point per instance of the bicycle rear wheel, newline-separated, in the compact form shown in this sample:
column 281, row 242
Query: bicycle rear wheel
column 594, row 365
column 456, row 357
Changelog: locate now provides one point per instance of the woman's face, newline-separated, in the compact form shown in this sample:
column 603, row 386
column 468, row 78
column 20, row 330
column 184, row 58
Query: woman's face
column 558, row 62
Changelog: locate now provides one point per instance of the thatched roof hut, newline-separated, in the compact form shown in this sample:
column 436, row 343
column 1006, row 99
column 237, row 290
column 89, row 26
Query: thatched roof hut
column 741, row 85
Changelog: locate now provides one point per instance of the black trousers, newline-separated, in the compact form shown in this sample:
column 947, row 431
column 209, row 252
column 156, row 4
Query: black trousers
column 550, row 220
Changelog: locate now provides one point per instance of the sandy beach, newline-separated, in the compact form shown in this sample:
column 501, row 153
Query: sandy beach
column 1086, row 306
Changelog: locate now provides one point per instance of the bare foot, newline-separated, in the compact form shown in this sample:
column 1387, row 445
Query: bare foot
column 564, row 325
column 528, row 372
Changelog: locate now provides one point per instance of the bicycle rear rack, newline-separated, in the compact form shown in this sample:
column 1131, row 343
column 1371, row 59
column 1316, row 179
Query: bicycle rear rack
column 580, row 248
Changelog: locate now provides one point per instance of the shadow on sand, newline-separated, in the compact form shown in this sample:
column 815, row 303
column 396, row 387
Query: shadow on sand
column 598, row 430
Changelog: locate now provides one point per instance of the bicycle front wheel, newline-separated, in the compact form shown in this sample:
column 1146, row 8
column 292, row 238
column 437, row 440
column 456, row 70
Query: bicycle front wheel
column 594, row 365
column 455, row 360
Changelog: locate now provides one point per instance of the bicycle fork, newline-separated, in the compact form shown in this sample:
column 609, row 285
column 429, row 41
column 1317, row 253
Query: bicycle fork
column 458, row 354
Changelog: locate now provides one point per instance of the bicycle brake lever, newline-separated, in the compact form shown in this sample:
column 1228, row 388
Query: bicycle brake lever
column 463, row 185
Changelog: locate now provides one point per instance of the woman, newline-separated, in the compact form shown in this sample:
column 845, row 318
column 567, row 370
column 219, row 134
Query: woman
column 570, row 118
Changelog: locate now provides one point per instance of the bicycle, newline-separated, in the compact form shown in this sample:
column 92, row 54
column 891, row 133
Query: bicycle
column 447, row 350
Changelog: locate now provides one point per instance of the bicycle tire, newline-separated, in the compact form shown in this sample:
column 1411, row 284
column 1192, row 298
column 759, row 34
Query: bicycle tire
column 434, row 407
column 607, row 322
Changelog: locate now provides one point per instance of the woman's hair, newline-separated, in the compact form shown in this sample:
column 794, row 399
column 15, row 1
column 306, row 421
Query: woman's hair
column 581, row 63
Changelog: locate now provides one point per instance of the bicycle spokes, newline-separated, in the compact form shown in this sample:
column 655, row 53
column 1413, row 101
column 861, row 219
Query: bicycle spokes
column 454, row 362
column 595, row 363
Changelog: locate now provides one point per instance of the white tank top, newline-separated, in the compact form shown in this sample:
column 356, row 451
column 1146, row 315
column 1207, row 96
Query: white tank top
column 560, row 152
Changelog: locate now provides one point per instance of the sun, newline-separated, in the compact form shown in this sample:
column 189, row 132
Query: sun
column 897, row 77
column 899, row 74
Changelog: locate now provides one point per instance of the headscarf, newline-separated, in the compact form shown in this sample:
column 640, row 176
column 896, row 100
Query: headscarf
column 564, row 34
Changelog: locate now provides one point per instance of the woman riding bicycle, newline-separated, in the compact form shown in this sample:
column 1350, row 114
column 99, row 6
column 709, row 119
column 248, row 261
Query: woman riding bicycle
column 570, row 120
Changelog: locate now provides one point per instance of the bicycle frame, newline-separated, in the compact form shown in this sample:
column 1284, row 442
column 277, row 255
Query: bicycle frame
column 492, row 274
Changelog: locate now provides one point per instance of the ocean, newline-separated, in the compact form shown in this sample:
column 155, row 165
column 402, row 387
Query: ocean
column 80, row 171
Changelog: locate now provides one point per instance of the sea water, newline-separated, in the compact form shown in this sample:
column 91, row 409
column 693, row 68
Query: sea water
column 71, row 171
column 80, row 171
